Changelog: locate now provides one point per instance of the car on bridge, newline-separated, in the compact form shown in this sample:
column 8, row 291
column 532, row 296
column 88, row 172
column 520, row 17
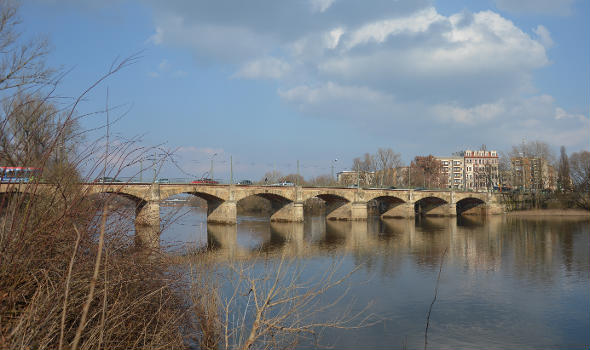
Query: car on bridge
column 283, row 184
column 163, row 181
column 205, row 181
column 244, row 182
column 106, row 180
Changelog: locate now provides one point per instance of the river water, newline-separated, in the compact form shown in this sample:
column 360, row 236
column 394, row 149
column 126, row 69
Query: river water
column 505, row 282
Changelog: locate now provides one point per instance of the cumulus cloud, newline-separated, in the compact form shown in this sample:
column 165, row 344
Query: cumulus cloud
column 388, row 64
column 544, row 36
column 264, row 68
column 550, row 7
column 211, row 40
column 165, row 68
column 320, row 5
column 332, row 100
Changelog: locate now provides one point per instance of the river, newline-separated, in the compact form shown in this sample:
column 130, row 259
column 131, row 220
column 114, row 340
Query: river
column 505, row 282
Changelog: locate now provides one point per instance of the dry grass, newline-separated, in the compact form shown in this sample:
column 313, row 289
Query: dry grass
column 61, row 288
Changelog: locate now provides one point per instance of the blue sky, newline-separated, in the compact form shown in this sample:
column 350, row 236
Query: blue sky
column 272, row 82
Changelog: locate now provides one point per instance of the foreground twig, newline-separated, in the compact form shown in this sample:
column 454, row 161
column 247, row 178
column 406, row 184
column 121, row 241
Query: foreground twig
column 93, row 280
column 433, row 299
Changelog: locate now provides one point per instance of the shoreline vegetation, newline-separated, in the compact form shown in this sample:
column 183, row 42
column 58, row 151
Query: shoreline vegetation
column 549, row 212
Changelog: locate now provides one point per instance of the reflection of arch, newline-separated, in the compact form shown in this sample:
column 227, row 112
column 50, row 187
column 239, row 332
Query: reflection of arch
column 336, row 232
column 428, row 205
column 470, row 205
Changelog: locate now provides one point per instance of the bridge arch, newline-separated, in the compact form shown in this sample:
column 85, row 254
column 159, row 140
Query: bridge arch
column 335, row 206
column 281, row 207
column 432, row 206
column 389, row 206
column 132, row 197
column 471, row 205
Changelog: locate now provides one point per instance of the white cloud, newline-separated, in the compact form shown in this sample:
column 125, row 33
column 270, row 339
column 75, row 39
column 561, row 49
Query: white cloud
column 164, row 65
column 264, row 68
column 165, row 68
column 379, row 31
column 343, row 101
column 474, row 115
column 560, row 113
column 390, row 63
column 320, row 5
column 228, row 43
column 550, row 7
column 544, row 36
column 507, row 120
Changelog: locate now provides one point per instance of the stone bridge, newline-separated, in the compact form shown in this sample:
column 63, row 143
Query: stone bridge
column 287, row 202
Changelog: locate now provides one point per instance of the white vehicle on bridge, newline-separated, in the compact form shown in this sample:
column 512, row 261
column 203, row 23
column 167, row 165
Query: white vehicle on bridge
column 284, row 184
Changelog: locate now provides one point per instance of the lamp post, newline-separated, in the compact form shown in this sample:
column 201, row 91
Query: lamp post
column 333, row 162
column 211, row 169
column 409, row 175
column 154, row 159
column 358, row 177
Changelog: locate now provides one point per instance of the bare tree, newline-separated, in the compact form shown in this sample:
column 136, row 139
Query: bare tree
column 533, row 149
column 579, row 163
column 293, row 178
column 384, row 163
column 22, row 65
column 563, row 172
column 504, row 172
column 426, row 171
column 322, row 180
column 34, row 132
column 271, row 177
column 365, row 163
column 387, row 164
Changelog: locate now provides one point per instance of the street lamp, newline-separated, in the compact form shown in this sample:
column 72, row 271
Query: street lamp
column 333, row 162
column 211, row 169
column 153, row 159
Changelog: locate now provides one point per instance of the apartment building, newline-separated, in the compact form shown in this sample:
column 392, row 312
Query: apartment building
column 531, row 173
column 453, row 168
column 481, row 169
column 351, row 178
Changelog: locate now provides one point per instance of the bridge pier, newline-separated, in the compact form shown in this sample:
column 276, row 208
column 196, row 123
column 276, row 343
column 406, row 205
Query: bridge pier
column 349, row 211
column 147, row 225
column 494, row 209
column 358, row 211
column 292, row 212
column 222, row 212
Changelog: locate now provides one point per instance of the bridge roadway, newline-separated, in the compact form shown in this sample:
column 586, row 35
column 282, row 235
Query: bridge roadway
column 287, row 202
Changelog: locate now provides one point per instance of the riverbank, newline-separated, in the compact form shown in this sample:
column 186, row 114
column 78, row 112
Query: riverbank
column 550, row 212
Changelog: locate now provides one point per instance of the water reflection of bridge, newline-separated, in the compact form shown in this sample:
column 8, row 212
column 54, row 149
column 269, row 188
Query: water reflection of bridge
column 319, row 237
column 478, row 243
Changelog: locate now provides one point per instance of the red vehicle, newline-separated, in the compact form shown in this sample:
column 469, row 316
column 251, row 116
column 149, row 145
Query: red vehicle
column 205, row 181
